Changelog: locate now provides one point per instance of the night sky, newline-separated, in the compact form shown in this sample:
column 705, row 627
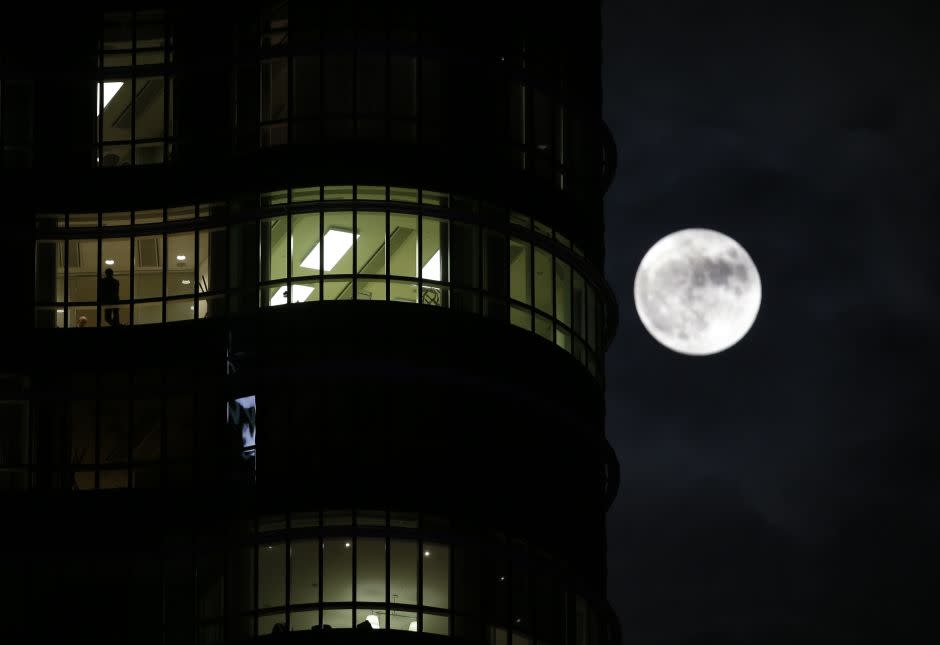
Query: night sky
column 783, row 491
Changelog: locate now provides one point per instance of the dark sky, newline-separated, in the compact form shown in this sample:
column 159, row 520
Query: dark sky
column 784, row 490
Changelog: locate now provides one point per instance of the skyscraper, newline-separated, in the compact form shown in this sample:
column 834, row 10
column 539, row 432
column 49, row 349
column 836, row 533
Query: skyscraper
column 306, row 324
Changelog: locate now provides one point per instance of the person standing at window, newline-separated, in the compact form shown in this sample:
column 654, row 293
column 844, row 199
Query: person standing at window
column 108, row 286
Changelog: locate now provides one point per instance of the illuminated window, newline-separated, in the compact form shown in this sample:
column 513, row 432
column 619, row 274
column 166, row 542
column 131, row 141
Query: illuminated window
column 337, row 570
column 520, row 285
column 109, row 281
column 543, row 280
column 370, row 570
column 505, row 277
column 97, row 269
column 305, row 572
column 133, row 95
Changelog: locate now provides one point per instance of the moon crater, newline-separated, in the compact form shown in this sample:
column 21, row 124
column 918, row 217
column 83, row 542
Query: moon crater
column 697, row 291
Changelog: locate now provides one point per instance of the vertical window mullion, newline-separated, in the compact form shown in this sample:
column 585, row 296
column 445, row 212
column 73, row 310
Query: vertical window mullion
column 551, row 136
column 166, row 117
column 97, row 428
column 133, row 272
column 388, row 256
column 99, row 119
column 164, row 468
column 321, row 115
column 419, row 268
column 129, row 412
column 290, row 103
column 513, row 572
column 526, row 108
column 164, row 262
column 322, row 245
column 419, row 103
column 161, row 563
column 98, row 281
column 420, row 590
column 256, row 563
column 451, row 609
column 320, row 568
column 388, row 88
column 195, row 274
column 166, row 92
column 531, row 281
column 133, row 89
column 355, row 245
column 388, row 572
column 355, row 94
column 287, row 575
column 481, row 260
column 290, row 248
column 355, row 563
column 562, row 162
column 65, row 279
column 507, row 281
column 571, row 314
column 554, row 300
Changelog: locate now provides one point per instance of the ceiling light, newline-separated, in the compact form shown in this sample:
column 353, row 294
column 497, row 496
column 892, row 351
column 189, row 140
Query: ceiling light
column 298, row 293
column 110, row 89
column 432, row 270
column 413, row 626
column 348, row 545
column 336, row 244
column 109, row 262
column 427, row 553
column 186, row 281
column 180, row 258
column 374, row 621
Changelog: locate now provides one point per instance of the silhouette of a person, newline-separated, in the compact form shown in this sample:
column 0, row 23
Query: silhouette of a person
column 109, row 296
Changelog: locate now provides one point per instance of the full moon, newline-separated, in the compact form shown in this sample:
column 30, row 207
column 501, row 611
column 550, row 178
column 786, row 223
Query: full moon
column 697, row 291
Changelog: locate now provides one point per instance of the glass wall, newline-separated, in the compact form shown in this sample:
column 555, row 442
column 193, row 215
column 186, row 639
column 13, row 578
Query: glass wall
column 95, row 278
column 409, row 246
column 318, row 243
column 134, row 91
column 378, row 77
column 117, row 428
column 315, row 90
column 370, row 570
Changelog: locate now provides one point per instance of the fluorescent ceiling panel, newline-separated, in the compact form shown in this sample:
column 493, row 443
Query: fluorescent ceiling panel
column 336, row 244
column 432, row 270
column 110, row 89
column 298, row 292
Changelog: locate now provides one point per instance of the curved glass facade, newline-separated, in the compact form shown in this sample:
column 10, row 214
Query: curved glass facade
column 394, row 84
column 319, row 243
column 381, row 570
column 171, row 268
column 301, row 173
